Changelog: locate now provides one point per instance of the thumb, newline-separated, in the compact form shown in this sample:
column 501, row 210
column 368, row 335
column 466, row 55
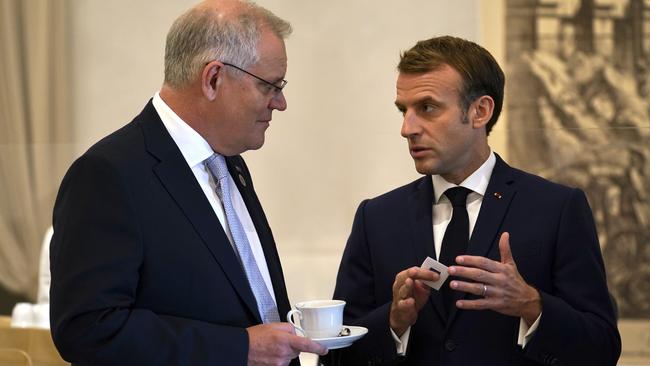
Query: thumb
column 504, row 249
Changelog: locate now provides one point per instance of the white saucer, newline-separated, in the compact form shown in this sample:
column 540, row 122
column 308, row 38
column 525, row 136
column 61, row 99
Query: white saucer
column 343, row 341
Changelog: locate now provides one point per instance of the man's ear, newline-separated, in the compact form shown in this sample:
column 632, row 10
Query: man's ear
column 209, row 79
column 481, row 111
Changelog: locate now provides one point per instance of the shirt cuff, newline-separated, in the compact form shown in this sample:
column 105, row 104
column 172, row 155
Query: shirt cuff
column 401, row 342
column 526, row 333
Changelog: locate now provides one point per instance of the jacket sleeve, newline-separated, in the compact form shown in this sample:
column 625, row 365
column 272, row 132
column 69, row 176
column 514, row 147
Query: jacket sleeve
column 96, row 256
column 578, row 323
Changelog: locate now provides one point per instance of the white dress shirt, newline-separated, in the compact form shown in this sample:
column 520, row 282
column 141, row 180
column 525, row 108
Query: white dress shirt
column 442, row 211
column 196, row 150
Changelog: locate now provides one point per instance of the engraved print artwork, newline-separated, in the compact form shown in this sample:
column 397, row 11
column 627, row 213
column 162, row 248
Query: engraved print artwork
column 579, row 113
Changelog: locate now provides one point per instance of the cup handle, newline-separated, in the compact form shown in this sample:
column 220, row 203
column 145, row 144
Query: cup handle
column 290, row 320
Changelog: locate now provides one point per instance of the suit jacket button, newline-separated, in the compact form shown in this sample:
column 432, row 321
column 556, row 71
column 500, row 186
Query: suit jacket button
column 450, row 345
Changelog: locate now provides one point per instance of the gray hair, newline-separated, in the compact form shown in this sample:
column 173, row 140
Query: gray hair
column 203, row 34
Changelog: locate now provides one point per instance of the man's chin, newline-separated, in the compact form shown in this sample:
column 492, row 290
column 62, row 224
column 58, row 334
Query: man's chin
column 257, row 144
column 424, row 168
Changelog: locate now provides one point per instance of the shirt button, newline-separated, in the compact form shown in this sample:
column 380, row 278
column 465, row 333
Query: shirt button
column 450, row 345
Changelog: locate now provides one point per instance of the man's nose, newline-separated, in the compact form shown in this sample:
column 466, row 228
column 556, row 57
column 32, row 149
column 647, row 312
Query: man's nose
column 409, row 125
column 278, row 101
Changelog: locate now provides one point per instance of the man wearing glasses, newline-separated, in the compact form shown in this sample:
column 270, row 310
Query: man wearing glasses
column 161, row 253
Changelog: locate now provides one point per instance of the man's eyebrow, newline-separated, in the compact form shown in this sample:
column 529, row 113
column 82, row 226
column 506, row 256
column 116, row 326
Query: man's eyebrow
column 423, row 100
column 427, row 99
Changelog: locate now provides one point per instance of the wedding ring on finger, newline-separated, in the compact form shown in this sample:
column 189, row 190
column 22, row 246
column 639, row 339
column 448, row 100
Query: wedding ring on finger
column 484, row 294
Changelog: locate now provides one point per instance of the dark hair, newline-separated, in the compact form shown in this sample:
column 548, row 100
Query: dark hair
column 479, row 71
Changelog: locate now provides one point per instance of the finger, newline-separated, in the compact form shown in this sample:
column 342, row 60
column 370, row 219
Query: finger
column 400, row 278
column 478, row 274
column 421, row 293
column 478, row 304
column 472, row 288
column 400, row 294
column 406, row 304
column 504, row 249
column 474, row 274
column 411, row 271
column 397, row 285
column 406, row 290
column 302, row 344
column 407, row 280
column 424, row 274
column 407, row 309
column 483, row 263
column 420, row 287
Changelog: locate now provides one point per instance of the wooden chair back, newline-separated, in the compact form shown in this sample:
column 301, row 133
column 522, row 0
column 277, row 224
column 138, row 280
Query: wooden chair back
column 14, row 357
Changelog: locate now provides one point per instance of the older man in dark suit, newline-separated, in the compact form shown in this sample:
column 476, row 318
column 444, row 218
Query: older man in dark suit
column 161, row 253
column 527, row 282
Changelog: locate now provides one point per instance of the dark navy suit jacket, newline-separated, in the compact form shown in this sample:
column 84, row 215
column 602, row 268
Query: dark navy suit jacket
column 142, row 271
column 554, row 244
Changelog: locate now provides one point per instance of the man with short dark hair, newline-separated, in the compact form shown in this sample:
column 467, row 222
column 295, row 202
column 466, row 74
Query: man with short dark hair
column 527, row 282
column 162, row 254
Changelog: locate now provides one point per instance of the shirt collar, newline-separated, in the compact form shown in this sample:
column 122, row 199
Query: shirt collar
column 477, row 182
column 194, row 147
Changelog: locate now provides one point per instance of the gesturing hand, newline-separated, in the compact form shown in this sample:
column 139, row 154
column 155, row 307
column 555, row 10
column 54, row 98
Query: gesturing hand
column 499, row 283
column 409, row 296
column 275, row 344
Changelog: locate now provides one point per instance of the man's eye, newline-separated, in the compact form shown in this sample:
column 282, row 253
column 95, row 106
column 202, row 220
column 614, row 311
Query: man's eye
column 428, row 108
column 266, row 88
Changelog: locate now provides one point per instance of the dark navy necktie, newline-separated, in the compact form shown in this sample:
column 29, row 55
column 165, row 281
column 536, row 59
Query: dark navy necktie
column 456, row 238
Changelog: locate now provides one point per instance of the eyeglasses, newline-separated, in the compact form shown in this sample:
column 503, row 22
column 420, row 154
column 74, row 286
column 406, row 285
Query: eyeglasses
column 276, row 88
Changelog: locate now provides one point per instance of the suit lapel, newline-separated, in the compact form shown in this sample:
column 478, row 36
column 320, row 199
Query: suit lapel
column 242, row 178
column 420, row 210
column 180, row 182
column 498, row 195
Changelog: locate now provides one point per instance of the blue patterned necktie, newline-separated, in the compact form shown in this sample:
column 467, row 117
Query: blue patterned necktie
column 265, row 304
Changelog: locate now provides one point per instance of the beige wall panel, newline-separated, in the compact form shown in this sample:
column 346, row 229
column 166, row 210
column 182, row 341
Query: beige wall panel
column 337, row 143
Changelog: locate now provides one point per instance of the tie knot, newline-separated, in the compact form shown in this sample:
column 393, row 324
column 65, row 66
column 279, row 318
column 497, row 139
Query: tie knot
column 217, row 165
column 457, row 196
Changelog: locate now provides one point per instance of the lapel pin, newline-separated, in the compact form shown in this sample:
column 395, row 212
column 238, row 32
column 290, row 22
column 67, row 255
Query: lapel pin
column 497, row 195
column 242, row 180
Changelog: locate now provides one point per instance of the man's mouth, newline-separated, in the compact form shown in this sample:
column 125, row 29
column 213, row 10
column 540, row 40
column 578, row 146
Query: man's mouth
column 418, row 151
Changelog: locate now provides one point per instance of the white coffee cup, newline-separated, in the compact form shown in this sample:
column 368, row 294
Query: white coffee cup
column 41, row 314
column 318, row 318
column 22, row 315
